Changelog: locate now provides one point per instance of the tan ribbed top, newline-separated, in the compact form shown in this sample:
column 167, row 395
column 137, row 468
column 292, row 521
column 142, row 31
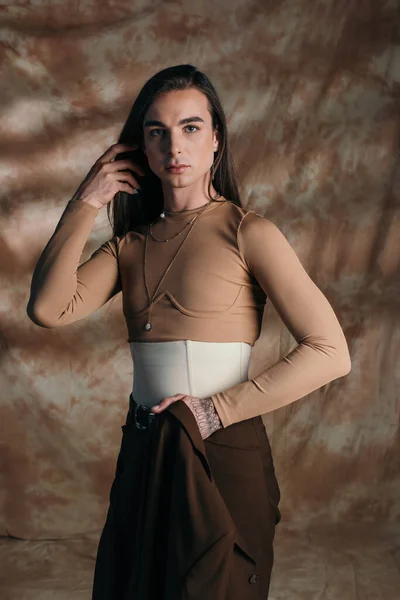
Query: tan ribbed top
column 215, row 291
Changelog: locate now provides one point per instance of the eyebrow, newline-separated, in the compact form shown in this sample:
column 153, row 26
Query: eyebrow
column 181, row 122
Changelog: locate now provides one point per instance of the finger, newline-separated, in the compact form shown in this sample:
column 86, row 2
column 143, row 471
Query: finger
column 166, row 402
column 163, row 404
column 129, row 178
column 116, row 149
column 125, row 187
column 120, row 165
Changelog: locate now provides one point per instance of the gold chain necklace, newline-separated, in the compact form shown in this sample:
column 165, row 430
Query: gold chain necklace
column 182, row 230
column 147, row 327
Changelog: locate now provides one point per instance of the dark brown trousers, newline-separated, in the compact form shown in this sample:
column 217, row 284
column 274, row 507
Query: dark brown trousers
column 242, row 466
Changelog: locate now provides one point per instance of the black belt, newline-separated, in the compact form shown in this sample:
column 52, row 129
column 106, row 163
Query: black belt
column 140, row 413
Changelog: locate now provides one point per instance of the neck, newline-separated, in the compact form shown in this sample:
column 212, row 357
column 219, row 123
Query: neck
column 192, row 207
column 180, row 199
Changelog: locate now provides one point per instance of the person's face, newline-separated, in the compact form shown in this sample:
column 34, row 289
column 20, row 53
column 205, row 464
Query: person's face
column 169, row 140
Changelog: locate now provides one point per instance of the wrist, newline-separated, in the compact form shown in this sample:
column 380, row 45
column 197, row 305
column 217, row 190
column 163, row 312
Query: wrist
column 213, row 419
column 95, row 205
column 206, row 416
column 87, row 200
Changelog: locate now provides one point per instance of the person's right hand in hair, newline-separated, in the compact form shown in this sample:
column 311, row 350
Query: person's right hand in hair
column 107, row 177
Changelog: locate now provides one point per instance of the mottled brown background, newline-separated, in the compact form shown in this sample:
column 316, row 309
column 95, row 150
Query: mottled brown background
column 311, row 92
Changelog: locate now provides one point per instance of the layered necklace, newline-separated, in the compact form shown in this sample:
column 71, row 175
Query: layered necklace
column 189, row 225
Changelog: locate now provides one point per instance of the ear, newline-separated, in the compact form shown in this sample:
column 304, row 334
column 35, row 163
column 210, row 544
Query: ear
column 216, row 139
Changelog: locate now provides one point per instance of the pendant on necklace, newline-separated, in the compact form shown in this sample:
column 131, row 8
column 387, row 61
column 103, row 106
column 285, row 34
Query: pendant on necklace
column 147, row 326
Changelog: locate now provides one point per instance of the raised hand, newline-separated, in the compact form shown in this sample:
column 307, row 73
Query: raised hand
column 108, row 176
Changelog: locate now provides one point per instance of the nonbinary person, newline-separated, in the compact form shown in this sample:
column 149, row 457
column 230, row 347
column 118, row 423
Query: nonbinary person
column 195, row 269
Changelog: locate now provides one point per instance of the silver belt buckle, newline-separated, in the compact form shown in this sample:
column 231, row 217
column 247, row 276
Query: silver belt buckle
column 150, row 416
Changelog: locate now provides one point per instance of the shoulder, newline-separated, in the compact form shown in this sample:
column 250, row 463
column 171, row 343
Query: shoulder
column 233, row 213
column 258, row 236
column 228, row 207
column 118, row 242
column 248, row 218
column 111, row 247
column 250, row 223
column 251, row 226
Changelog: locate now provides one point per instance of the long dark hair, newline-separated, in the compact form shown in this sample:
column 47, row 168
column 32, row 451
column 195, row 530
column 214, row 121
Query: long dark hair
column 130, row 212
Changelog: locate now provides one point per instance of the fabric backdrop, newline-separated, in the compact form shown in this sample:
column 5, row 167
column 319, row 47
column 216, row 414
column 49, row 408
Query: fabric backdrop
column 311, row 92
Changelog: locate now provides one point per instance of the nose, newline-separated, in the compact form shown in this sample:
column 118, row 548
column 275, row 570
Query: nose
column 172, row 144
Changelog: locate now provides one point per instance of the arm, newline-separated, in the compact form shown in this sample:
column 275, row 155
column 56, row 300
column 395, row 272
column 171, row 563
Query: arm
column 205, row 414
column 322, row 353
column 62, row 292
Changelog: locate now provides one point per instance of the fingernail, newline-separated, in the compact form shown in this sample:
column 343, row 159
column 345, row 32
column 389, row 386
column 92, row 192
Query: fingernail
column 156, row 406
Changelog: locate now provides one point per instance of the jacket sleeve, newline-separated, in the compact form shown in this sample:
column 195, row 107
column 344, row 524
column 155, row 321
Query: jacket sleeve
column 63, row 292
column 322, row 353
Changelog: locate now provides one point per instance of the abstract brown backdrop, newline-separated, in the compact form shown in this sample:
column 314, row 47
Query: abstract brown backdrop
column 311, row 90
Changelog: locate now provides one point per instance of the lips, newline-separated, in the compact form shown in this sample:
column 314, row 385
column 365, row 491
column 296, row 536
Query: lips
column 177, row 170
column 176, row 166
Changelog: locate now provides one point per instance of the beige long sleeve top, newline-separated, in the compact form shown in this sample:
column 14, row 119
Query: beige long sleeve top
column 231, row 262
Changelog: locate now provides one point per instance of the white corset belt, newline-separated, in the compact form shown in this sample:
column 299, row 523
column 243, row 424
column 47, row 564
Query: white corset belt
column 190, row 367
